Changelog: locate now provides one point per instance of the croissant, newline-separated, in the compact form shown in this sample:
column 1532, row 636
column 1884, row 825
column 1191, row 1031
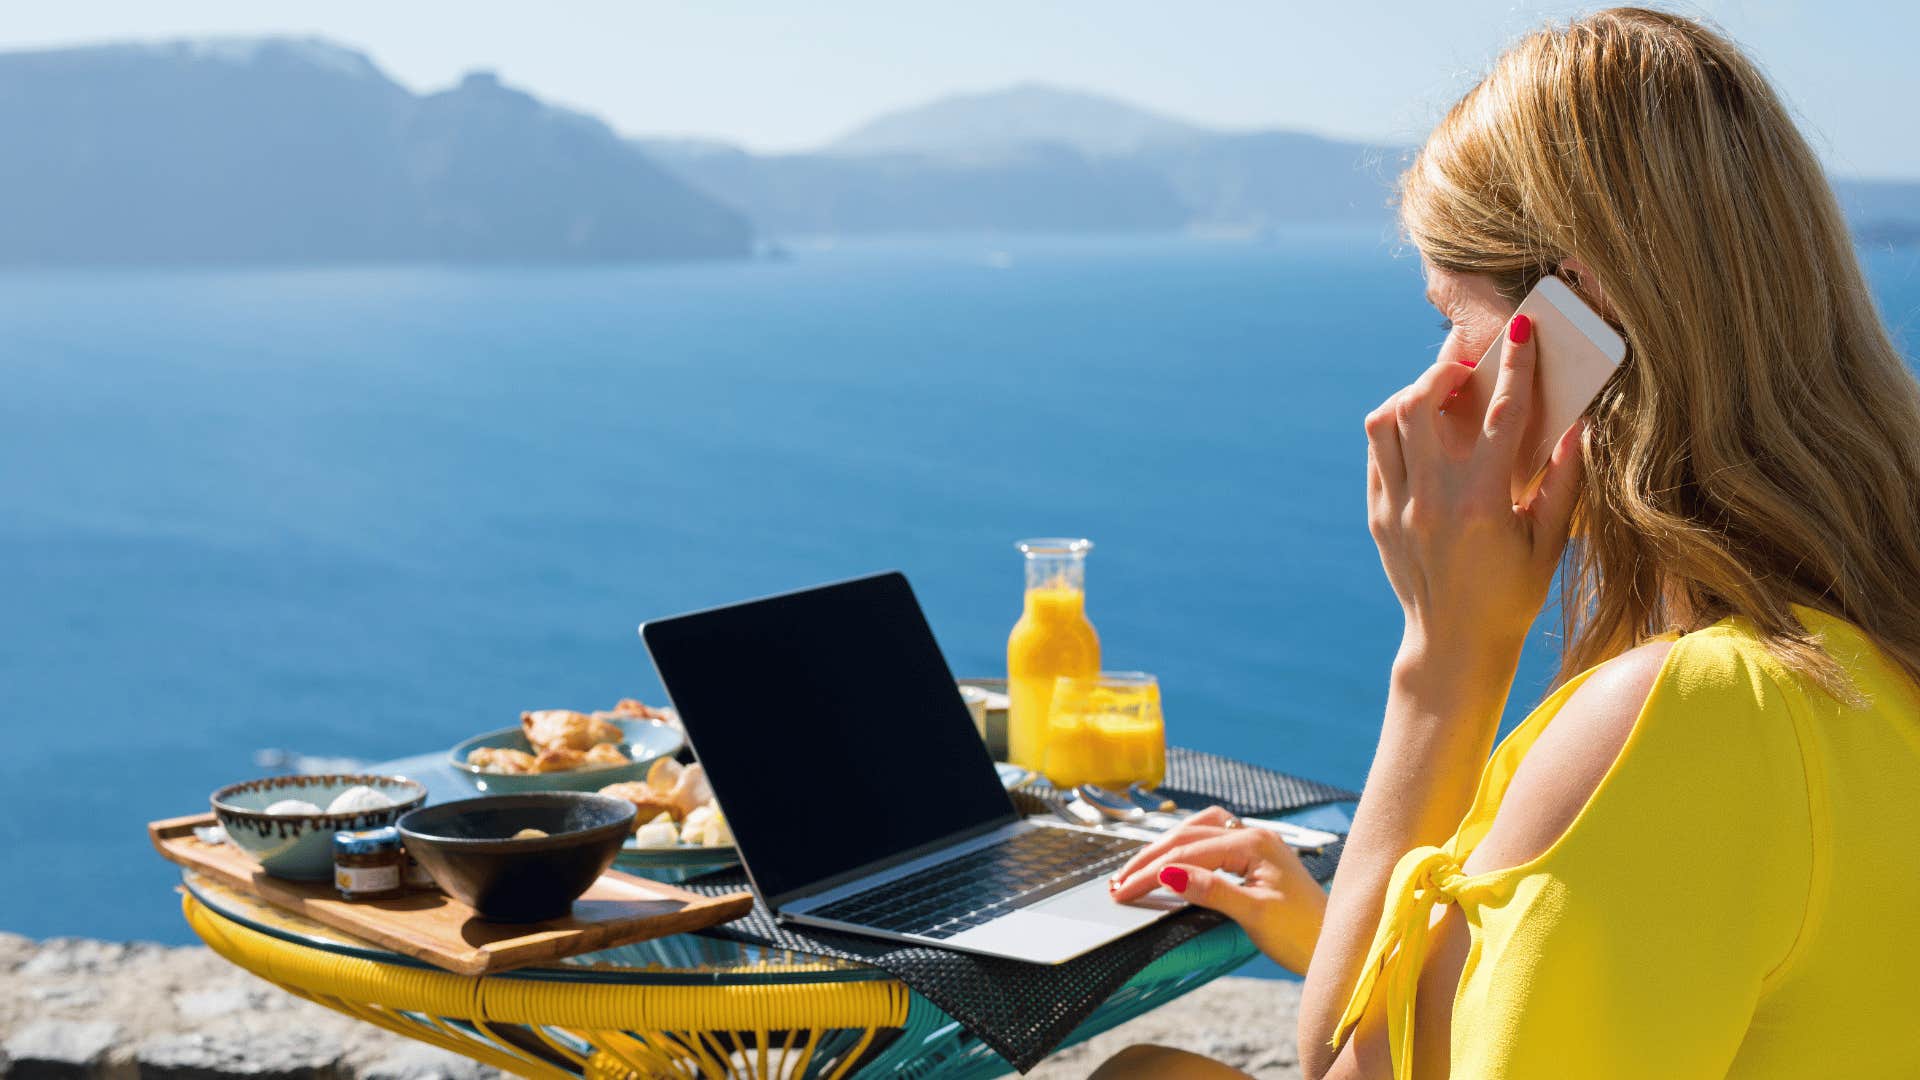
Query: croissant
column 648, row 803
column 606, row 753
column 559, row 759
column 549, row 729
column 500, row 760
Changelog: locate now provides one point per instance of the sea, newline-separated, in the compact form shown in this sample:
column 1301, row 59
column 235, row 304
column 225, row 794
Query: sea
column 365, row 512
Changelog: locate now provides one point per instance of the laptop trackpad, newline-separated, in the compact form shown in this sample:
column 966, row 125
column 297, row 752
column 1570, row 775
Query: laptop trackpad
column 1095, row 905
column 1062, row 927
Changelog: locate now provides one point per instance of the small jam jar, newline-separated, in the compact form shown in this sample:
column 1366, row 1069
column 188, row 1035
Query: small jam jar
column 368, row 864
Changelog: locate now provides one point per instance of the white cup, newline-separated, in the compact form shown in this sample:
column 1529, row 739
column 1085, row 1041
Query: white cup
column 976, row 700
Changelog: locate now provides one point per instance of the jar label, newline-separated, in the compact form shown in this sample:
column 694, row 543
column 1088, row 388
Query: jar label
column 366, row 879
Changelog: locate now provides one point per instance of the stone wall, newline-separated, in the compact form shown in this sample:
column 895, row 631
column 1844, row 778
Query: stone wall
column 78, row 1008
column 71, row 1007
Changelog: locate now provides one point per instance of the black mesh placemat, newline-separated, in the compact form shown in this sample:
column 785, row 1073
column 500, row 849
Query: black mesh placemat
column 1196, row 778
column 1022, row 1011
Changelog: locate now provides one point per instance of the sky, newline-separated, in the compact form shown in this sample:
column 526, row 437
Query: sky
column 776, row 76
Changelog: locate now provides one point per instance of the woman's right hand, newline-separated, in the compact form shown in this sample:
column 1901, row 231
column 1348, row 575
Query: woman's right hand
column 1276, row 902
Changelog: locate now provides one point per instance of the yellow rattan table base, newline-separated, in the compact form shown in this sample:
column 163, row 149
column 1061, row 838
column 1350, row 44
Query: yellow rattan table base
column 780, row 1018
column 561, row 1030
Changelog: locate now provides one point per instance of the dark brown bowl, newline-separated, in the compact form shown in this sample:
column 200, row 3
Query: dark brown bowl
column 468, row 848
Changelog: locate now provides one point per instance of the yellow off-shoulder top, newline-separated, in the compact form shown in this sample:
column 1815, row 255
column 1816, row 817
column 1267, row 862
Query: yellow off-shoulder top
column 1739, row 897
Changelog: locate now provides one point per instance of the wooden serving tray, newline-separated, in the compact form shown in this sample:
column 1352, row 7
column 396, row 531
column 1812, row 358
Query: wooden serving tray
column 619, row 909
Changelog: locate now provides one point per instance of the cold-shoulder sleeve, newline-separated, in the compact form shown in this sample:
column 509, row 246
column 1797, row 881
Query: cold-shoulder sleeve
column 1640, row 941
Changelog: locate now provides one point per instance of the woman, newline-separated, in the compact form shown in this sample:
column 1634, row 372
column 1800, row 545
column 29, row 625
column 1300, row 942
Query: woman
column 1697, row 856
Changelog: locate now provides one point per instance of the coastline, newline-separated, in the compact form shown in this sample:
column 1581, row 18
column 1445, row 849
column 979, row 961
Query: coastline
column 77, row 1007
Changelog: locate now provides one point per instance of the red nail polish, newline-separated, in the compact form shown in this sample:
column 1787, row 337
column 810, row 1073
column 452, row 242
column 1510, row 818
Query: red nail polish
column 1174, row 877
column 1520, row 329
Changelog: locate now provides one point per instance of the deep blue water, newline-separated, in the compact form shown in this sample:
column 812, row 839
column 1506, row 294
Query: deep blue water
column 368, row 512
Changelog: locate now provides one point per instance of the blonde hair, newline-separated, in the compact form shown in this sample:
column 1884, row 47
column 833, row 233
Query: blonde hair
column 1761, row 445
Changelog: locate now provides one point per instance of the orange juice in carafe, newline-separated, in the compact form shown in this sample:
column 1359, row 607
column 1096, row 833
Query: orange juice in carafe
column 1052, row 638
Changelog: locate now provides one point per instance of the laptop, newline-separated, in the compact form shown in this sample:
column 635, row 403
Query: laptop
column 861, row 797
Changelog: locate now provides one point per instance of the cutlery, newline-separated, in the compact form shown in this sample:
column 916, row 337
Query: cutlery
column 1055, row 803
column 1126, row 809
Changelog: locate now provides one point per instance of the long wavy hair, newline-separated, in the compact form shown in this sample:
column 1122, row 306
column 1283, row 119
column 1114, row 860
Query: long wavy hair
column 1761, row 445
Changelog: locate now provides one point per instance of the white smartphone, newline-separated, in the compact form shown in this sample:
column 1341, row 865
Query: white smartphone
column 1576, row 352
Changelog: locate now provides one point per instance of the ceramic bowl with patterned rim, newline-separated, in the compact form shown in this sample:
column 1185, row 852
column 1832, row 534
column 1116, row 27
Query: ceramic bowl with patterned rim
column 299, row 847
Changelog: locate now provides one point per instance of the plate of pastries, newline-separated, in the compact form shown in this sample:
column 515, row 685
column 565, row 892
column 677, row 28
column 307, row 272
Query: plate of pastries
column 570, row 750
column 679, row 823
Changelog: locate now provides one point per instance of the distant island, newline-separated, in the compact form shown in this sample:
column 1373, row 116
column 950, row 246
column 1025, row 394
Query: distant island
column 296, row 151
column 1042, row 158
column 299, row 151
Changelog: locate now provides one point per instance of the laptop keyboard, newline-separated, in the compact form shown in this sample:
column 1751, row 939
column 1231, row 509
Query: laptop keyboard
column 966, row 892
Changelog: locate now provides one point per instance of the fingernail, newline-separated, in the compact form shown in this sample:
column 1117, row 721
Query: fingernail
column 1520, row 329
column 1174, row 877
column 1113, row 882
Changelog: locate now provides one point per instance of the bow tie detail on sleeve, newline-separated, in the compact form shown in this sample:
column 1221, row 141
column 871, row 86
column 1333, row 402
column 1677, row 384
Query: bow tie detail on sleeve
column 1422, row 878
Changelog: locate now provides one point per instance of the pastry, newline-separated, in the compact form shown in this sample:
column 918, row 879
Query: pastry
column 553, row 729
column 496, row 759
column 663, row 774
column 606, row 753
column 628, row 708
column 690, row 790
column 559, row 759
column 649, row 802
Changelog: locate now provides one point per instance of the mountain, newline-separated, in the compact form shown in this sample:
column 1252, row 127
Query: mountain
column 1040, row 159
column 284, row 150
column 299, row 151
column 1267, row 178
column 984, row 124
column 1038, row 187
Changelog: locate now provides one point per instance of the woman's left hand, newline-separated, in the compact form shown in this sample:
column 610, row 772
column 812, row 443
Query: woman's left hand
column 1467, row 564
column 1276, row 902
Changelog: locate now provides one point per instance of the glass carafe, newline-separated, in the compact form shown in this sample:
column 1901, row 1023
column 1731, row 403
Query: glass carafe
column 1052, row 639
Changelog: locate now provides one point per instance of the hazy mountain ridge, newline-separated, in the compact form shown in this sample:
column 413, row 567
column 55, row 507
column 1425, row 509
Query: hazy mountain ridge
column 1036, row 157
column 1037, row 187
column 298, row 150
column 968, row 125
column 1039, row 158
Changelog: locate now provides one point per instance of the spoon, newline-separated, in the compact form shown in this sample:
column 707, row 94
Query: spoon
column 1148, row 799
column 1119, row 808
column 1116, row 808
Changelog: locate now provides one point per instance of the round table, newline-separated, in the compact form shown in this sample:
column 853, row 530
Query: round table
column 681, row 1006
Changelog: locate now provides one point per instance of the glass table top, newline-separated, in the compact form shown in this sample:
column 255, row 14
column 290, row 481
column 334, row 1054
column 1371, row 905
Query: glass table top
column 679, row 959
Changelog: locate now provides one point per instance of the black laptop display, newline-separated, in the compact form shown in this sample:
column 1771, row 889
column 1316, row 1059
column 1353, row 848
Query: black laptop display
column 831, row 730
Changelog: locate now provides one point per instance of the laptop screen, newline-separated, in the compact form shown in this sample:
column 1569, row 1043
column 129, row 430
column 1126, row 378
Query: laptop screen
column 830, row 728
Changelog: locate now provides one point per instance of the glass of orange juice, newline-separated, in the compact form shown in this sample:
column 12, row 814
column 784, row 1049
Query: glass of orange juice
column 1106, row 730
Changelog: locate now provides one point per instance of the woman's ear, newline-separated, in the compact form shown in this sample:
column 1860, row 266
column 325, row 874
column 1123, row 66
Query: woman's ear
column 1582, row 280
